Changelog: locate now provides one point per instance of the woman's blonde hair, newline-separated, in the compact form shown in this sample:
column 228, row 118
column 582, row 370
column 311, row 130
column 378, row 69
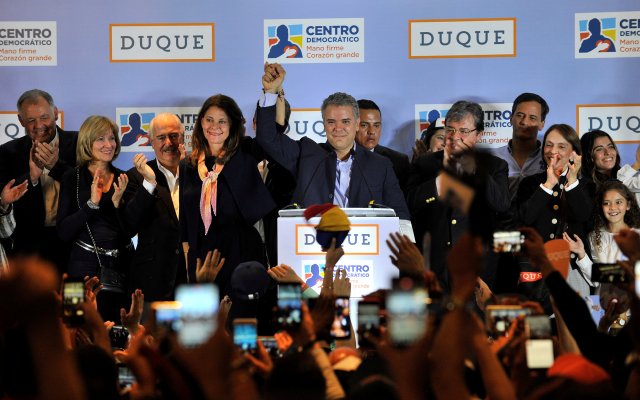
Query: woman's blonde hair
column 90, row 131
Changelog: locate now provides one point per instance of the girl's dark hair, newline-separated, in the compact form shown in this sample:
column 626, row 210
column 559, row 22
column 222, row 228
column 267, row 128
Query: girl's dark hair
column 587, row 142
column 631, row 216
column 199, row 143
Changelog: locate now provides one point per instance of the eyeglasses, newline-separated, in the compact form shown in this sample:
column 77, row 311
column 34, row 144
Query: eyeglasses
column 174, row 137
column 462, row 131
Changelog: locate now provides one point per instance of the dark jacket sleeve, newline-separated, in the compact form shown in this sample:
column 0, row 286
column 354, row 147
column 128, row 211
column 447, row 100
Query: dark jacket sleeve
column 284, row 150
column 497, row 191
column 71, row 220
column 575, row 313
column 138, row 202
column 531, row 200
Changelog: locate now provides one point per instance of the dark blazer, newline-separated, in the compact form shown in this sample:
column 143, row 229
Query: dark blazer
column 400, row 162
column 158, row 262
column 29, row 210
column 444, row 223
column 243, row 199
column 553, row 214
column 313, row 166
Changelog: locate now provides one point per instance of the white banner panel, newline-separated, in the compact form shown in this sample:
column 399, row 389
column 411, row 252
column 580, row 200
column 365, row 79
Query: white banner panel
column 28, row 43
column 366, row 258
column 442, row 38
column 607, row 34
column 621, row 121
column 330, row 40
column 186, row 42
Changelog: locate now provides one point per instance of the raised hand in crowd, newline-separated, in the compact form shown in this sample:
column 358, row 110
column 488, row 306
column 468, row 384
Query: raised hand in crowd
column 341, row 284
column 332, row 257
column 131, row 319
column 11, row 193
column 183, row 151
column 140, row 162
column 141, row 367
column 208, row 270
column 92, row 287
column 261, row 360
column 119, row 187
column 284, row 273
column 406, row 256
column 575, row 245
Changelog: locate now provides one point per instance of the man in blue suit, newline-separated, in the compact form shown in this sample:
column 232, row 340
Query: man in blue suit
column 338, row 171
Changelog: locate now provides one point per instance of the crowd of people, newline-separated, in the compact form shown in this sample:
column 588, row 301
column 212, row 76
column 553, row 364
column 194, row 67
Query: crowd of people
column 548, row 314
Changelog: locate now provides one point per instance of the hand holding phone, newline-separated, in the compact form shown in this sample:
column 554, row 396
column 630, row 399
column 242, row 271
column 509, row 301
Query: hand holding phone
column 73, row 295
column 245, row 333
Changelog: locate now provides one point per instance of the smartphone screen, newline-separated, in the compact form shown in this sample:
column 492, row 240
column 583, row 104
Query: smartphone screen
column 245, row 333
column 72, row 296
column 368, row 321
column 166, row 317
column 270, row 344
column 539, row 346
column 341, row 325
column 500, row 317
column 125, row 376
column 407, row 310
column 119, row 337
column 289, row 301
column 507, row 241
column 198, row 308
column 608, row 273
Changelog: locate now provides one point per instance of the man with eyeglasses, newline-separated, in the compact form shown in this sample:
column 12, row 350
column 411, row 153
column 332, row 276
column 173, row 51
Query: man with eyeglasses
column 152, row 204
column 430, row 209
column 41, row 157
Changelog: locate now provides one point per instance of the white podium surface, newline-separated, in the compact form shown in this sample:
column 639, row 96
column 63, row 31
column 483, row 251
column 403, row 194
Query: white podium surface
column 366, row 257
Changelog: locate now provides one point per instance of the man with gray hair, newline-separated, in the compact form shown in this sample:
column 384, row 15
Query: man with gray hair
column 41, row 157
column 338, row 171
column 152, row 204
column 464, row 123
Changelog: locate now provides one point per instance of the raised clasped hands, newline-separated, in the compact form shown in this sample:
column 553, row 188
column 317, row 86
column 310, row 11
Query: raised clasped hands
column 273, row 77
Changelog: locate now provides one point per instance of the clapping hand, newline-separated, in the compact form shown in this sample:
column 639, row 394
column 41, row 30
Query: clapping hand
column 12, row 193
column 140, row 162
column 119, row 189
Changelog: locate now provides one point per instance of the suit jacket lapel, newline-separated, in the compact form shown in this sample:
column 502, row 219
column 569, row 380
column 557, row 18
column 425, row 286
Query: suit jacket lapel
column 356, row 177
column 163, row 189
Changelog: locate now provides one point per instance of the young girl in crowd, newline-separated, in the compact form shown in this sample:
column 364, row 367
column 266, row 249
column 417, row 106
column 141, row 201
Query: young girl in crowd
column 616, row 209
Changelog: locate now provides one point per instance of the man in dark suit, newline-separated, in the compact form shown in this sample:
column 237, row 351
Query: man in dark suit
column 368, row 136
column 487, row 174
column 152, row 211
column 41, row 157
column 338, row 171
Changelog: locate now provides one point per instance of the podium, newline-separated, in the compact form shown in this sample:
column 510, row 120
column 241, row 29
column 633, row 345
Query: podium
column 366, row 259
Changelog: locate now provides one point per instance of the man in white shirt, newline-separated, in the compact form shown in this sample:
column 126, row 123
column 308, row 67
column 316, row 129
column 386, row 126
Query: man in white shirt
column 152, row 204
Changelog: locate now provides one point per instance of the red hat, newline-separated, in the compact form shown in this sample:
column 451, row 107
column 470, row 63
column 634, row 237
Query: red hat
column 577, row 368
